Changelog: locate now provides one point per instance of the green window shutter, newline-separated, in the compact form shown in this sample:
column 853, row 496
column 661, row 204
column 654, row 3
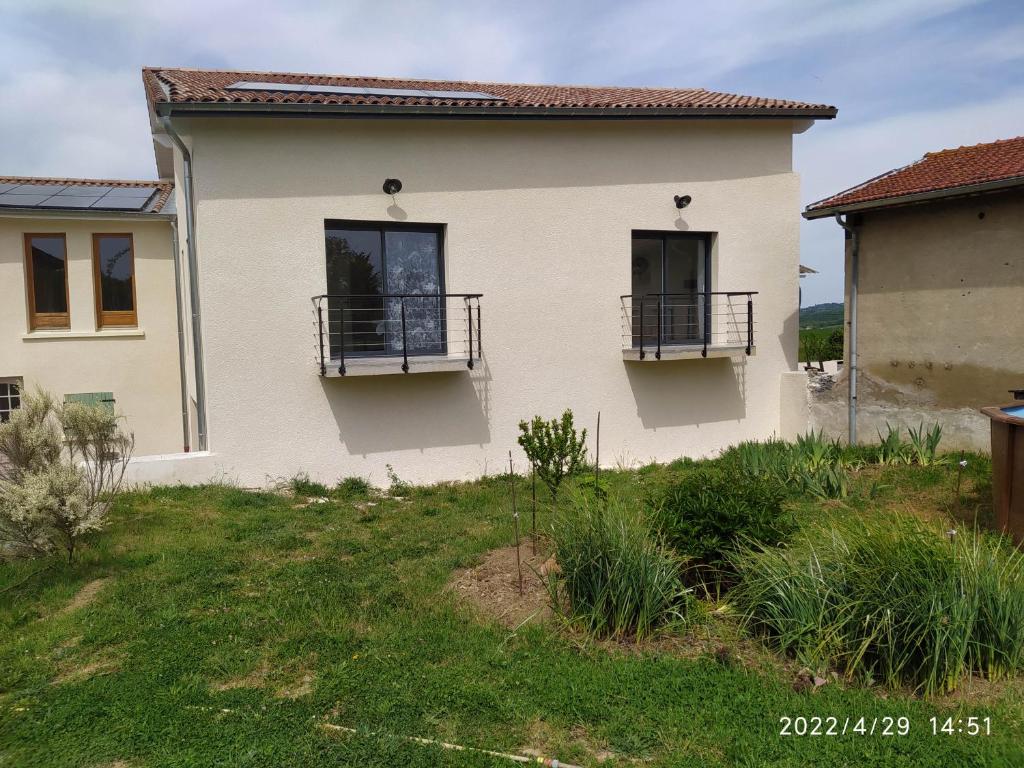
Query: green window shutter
column 101, row 399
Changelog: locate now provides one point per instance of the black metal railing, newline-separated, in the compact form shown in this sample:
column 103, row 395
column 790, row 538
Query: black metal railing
column 396, row 325
column 692, row 319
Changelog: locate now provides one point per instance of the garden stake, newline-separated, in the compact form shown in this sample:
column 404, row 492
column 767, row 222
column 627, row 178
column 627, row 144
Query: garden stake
column 515, row 518
column 959, row 473
column 597, row 457
column 549, row 762
column 533, row 491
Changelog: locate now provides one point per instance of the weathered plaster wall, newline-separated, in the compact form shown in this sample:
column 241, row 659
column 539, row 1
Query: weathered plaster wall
column 538, row 218
column 941, row 296
column 139, row 365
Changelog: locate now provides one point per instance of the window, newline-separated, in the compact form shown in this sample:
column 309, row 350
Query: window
column 114, row 280
column 46, row 270
column 372, row 271
column 10, row 397
column 671, row 277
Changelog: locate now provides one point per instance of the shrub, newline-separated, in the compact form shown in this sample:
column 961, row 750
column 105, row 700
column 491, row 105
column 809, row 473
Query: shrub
column 616, row 578
column 353, row 488
column 60, row 469
column 894, row 599
column 705, row 514
column 554, row 448
column 301, row 485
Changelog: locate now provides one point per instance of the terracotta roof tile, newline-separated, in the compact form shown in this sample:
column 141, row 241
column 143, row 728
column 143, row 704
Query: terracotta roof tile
column 191, row 86
column 948, row 169
column 164, row 188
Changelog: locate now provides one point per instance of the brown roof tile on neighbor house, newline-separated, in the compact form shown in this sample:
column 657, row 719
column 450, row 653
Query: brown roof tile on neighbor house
column 953, row 171
column 12, row 185
column 168, row 89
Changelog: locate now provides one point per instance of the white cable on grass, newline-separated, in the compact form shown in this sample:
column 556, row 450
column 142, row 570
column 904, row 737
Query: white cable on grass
column 549, row 762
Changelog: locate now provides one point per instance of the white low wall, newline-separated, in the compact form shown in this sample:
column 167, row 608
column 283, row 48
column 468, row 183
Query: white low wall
column 177, row 469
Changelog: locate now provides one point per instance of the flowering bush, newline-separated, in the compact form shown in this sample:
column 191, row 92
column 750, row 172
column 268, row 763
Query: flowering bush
column 60, row 468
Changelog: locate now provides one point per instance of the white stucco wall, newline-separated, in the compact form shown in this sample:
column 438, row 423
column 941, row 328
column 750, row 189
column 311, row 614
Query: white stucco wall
column 538, row 218
column 140, row 366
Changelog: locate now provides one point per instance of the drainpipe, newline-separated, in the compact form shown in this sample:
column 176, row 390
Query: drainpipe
column 181, row 339
column 193, row 279
column 852, row 374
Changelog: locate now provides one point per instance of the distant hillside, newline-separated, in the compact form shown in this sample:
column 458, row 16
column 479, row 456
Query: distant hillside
column 821, row 315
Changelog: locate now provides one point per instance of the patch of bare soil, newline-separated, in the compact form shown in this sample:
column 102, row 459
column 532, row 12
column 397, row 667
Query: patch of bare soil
column 73, row 670
column 492, row 587
column 254, row 679
column 85, row 595
column 303, row 686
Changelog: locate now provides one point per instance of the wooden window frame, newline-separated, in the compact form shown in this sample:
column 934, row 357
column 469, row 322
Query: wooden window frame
column 119, row 318
column 46, row 320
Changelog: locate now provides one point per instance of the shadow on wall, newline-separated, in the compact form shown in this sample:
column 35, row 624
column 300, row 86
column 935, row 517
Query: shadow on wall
column 678, row 393
column 375, row 414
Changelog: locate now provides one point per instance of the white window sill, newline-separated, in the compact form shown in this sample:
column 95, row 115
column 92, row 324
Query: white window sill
column 109, row 333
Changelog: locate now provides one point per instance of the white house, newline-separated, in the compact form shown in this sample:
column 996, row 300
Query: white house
column 396, row 272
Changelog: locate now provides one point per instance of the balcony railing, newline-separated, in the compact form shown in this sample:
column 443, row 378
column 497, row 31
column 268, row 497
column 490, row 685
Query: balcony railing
column 653, row 323
column 396, row 327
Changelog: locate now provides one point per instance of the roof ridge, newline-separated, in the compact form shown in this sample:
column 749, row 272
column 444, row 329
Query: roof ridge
column 938, row 152
column 396, row 78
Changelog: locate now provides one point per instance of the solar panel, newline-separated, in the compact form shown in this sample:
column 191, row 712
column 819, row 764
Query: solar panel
column 22, row 201
column 75, row 196
column 108, row 203
column 131, row 191
column 84, row 190
column 352, row 90
column 39, row 189
column 69, row 201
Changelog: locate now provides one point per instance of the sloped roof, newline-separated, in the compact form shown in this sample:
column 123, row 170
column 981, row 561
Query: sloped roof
column 30, row 186
column 168, row 90
column 954, row 171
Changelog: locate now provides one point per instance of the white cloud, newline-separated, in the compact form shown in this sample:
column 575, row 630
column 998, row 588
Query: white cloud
column 73, row 102
column 832, row 157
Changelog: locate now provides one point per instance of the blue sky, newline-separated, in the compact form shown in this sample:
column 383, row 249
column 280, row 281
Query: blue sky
column 908, row 76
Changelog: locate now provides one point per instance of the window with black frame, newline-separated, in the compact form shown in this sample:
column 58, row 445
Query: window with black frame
column 10, row 398
column 385, row 289
column 670, row 280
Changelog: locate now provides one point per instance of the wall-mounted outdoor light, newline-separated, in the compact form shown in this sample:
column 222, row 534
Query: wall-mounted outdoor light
column 392, row 187
column 682, row 201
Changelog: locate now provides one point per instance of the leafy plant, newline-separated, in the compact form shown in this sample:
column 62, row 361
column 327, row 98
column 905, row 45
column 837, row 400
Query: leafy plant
column 301, row 485
column 891, row 599
column 353, row 488
column 812, row 465
column 615, row 578
column 710, row 510
column 892, row 449
column 398, row 486
column 924, row 446
column 554, row 448
column 60, row 469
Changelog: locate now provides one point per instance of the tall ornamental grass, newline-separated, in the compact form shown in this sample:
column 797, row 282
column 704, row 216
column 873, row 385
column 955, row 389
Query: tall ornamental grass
column 616, row 579
column 895, row 600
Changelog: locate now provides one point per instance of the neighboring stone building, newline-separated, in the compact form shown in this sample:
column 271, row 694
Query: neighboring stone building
column 941, row 292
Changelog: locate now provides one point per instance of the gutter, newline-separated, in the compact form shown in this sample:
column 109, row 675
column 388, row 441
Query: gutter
column 193, row 281
column 57, row 213
column 185, row 432
column 221, row 108
column 854, row 270
column 918, row 197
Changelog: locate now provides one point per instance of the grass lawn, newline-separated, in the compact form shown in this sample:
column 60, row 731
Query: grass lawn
column 215, row 626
